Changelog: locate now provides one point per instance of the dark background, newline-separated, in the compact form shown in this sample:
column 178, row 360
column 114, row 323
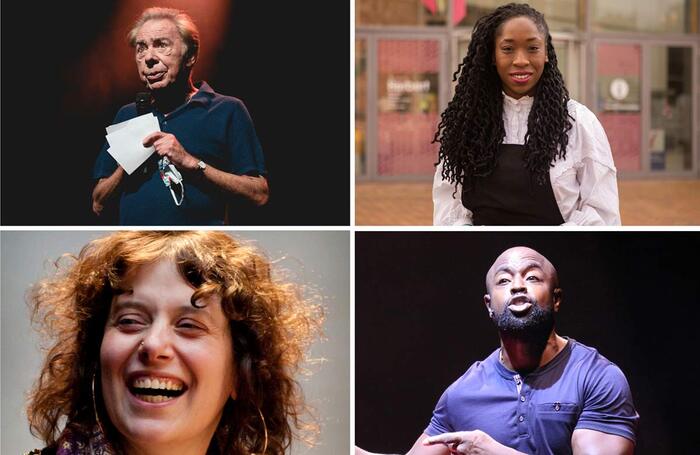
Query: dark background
column 274, row 56
column 420, row 322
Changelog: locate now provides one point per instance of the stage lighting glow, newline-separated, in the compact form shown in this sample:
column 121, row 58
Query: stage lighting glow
column 107, row 70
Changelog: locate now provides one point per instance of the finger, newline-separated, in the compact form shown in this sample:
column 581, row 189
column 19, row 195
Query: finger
column 152, row 138
column 444, row 438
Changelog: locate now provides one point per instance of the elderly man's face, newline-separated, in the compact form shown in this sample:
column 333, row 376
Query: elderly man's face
column 159, row 54
column 522, row 295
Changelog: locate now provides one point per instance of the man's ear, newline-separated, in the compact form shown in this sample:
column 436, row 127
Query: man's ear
column 557, row 295
column 189, row 63
column 487, row 302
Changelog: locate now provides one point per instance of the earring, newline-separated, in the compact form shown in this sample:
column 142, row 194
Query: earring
column 490, row 313
column 94, row 406
column 262, row 418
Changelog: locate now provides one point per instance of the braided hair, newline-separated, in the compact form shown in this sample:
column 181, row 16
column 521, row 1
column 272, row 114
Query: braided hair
column 471, row 128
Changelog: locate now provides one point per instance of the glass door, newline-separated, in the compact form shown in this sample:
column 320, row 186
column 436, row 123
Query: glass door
column 671, row 124
column 407, row 105
column 644, row 99
column 618, row 101
column 360, row 107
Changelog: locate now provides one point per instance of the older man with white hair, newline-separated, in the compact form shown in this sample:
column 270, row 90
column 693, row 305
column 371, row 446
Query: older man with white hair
column 206, row 145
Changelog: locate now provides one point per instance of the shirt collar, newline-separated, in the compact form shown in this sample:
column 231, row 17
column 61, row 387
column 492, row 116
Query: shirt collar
column 561, row 356
column 523, row 101
column 204, row 93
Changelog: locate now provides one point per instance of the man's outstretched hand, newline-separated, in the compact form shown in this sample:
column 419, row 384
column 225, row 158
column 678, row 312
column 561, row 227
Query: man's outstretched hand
column 469, row 443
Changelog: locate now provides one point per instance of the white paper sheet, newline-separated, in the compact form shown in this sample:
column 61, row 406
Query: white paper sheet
column 126, row 141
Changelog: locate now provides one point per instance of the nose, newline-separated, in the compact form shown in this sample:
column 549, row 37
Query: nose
column 156, row 345
column 150, row 57
column 521, row 59
column 517, row 286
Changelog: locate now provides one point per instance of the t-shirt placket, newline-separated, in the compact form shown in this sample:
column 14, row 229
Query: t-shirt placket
column 522, row 405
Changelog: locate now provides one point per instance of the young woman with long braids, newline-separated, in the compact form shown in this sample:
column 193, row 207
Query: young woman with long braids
column 514, row 148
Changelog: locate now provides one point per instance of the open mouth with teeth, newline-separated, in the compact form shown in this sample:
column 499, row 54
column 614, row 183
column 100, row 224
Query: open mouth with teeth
column 156, row 390
column 521, row 77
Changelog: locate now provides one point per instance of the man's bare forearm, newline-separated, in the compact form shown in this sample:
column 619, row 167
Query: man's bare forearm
column 254, row 189
column 105, row 188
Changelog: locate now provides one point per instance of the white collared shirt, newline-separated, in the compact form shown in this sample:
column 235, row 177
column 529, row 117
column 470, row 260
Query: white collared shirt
column 584, row 183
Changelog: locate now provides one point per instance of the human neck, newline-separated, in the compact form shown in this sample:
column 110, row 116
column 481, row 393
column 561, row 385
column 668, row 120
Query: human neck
column 170, row 98
column 524, row 356
column 198, row 447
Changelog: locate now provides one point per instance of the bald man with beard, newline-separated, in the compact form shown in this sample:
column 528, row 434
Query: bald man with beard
column 539, row 392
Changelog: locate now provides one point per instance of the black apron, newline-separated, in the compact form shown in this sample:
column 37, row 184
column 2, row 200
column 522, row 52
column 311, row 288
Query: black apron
column 510, row 195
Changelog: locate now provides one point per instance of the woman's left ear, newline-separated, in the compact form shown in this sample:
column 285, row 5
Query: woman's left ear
column 234, row 394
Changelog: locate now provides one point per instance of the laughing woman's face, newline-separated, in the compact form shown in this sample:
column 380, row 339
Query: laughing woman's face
column 167, row 368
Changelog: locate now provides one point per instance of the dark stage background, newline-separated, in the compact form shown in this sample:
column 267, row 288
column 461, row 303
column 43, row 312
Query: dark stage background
column 66, row 70
column 420, row 323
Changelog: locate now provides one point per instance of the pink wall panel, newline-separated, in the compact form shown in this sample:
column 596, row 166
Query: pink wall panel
column 624, row 134
column 409, row 56
column 404, row 143
column 619, row 59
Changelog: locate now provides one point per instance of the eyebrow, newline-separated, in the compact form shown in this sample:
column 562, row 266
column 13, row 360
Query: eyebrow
column 153, row 40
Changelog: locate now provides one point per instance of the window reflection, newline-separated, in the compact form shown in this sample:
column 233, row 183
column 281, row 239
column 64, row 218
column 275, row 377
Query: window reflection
column 360, row 107
column 618, row 103
column 400, row 12
column 407, row 106
column 561, row 15
column 671, row 113
column 674, row 16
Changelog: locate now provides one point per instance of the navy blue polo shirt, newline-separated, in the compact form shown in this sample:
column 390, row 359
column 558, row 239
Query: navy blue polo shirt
column 537, row 413
column 212, row 127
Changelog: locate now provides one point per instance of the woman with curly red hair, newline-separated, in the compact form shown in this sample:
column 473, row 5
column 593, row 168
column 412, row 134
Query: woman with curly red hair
column 177, row 342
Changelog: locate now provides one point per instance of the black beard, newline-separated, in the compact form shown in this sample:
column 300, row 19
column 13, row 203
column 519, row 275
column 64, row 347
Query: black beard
column 533, row 328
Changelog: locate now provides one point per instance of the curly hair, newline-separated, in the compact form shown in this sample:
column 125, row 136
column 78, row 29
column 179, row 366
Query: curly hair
column 272, row 325
column 471, row 127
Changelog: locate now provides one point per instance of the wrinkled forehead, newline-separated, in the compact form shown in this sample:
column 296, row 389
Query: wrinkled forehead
column 157, row 29
column 519, row 258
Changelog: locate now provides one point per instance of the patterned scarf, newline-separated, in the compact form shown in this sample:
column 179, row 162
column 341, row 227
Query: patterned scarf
column 71, row 443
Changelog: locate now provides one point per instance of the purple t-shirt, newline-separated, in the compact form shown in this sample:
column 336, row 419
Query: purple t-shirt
column 538, row 413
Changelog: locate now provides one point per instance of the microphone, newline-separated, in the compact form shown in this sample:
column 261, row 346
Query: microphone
column 143, row 103
column 143, row 106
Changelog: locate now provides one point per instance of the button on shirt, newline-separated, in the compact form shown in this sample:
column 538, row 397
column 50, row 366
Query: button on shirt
column 538, row 413
column 584, row 183
column 212, row 127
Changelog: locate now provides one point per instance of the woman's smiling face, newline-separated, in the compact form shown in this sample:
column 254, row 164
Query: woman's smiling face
column 167, row 368
column 520, row 54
